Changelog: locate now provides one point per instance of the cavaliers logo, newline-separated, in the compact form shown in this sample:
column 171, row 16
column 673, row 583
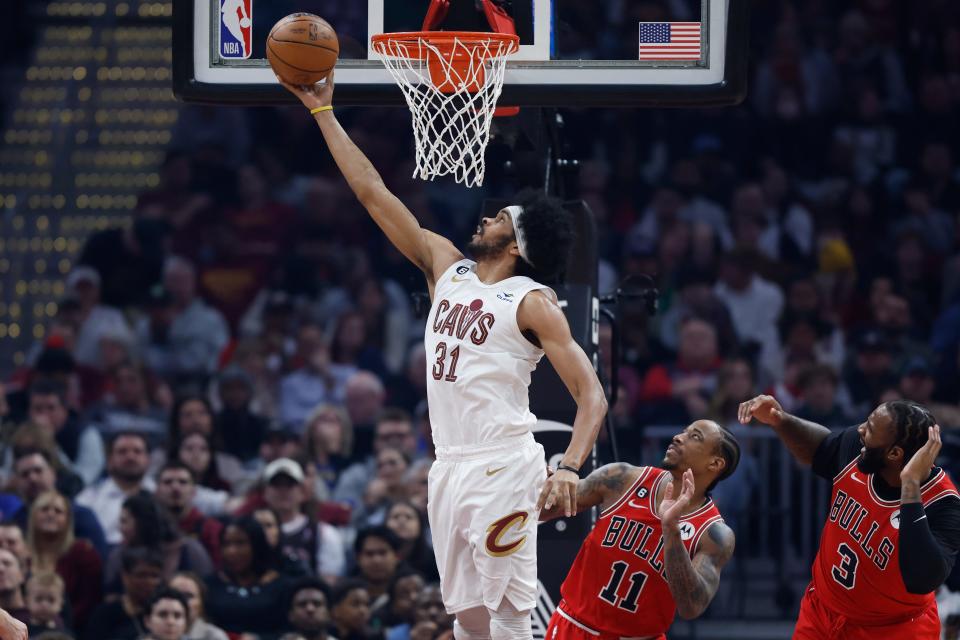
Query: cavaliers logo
column 495, row 532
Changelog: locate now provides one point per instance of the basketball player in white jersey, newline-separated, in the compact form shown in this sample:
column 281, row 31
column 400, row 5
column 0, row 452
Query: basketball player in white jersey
column 489, row 325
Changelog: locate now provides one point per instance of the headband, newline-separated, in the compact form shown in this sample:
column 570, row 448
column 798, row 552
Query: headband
column 516, row 212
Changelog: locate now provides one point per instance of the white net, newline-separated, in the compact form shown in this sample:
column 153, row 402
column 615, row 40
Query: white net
column 451, row 86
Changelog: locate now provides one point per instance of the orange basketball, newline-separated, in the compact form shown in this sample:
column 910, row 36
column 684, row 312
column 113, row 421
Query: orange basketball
column 302, row 48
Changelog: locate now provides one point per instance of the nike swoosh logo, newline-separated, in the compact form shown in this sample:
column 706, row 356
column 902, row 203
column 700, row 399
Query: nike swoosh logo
column 491, row 472
column 853, row 477
column 456, row 279
column 635, row 505
column 920, row 518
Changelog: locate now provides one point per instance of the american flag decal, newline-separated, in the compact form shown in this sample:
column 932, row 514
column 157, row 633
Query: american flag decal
column 669, row 40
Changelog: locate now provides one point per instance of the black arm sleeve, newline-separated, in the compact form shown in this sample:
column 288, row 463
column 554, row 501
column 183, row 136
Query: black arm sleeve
column 928, row 544
column 836, row 452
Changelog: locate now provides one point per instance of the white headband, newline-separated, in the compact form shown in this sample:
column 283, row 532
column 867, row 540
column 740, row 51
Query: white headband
column 516, row 212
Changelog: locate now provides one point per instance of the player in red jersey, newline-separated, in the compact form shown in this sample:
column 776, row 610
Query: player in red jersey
column 647, row 558
column 893, row 528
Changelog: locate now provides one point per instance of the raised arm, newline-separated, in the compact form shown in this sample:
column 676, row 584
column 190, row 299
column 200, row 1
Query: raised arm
column 601, row 488
column 430, row 252
column 692, row 581
column 801, row 437
column 540, row 314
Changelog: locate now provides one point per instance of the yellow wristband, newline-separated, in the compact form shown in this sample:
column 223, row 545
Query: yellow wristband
column 317, row 110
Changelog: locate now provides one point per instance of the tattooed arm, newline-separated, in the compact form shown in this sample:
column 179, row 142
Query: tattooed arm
column 801, row 437
column 693, row 582
column 602, row 487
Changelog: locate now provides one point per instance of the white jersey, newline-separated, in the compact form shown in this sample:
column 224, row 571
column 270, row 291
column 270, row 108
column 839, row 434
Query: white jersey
column 478, row 362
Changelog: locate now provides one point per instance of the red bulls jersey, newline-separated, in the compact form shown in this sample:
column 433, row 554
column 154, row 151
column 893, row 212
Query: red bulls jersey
column 617, row 584
column 856, row 572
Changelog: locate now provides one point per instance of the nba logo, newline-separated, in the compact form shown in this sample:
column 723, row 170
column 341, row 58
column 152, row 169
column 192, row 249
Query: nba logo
column 236, row 28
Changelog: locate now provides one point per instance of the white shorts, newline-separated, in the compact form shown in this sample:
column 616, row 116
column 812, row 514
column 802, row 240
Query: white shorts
column 482, row 504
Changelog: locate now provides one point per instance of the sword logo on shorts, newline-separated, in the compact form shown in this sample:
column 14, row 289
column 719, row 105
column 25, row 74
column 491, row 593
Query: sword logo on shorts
column 499, row 528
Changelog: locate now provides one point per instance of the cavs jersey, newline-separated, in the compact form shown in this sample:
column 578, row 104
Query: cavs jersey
column 856, row 572
column 617, row 585
column 478, row 362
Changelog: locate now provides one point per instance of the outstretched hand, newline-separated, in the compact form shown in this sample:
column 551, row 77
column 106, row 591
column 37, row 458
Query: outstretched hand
column 765, row 409
column 313, row 95
column 918, row 467
column 671, row 509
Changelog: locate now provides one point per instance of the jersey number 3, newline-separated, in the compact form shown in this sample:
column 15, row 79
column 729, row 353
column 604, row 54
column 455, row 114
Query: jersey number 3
column 440, row 363
column 845, row 572
column 609, row 592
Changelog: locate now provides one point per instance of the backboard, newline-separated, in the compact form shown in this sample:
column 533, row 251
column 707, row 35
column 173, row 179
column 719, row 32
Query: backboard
column 572, row 52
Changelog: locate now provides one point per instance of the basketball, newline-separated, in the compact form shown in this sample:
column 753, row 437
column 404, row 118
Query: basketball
column 302, row 48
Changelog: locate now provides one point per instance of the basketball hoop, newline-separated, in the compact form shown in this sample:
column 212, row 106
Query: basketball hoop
column 451, row 81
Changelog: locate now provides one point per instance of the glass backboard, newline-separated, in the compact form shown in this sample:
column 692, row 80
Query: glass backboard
column 572, row 52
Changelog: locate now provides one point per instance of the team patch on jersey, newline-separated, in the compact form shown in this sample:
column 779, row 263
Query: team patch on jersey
column 686, row 531
column 505, row 296
column 895, row 519
column 499, row 528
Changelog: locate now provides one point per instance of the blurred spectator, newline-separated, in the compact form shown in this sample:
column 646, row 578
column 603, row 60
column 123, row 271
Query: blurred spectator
column 352, row 347
column 175, row 492
column 129, row 407
column 695, row 297
column 794, row 80
column 144, row 523
column 126, row 476
column 408, row 390
column 195, row 591
column 247, row 595
column 409, row 524
column 141, row 571
column 30, row 437
column 241, row 428
column 290, row 563
column 318, row 543
column 755, row 305
column 415, row 484
column 350, row 611
column 384, row 488
column 377, row 550
column 871, row 371
column 933, row 226
column 680, row 392
column 308, row 613
column 33, row 475
column 12, row 539
column 44, row 597
column 80, row 446
column 365, row 398
column 327, row 444
column 393, row 429
column 215, row 470
column 431, row 619
column 96, row 320
column 53, row 548
column 861, row 60
column 165, row 615
column 318, row 380
column 735, row 384
column 398, row 614
column 12, row 578
column 185, row 341
column 818, row 398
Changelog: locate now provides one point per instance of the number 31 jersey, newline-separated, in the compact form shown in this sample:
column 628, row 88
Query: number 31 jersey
column 478, row 362
column 618, row 585
column 857, row 571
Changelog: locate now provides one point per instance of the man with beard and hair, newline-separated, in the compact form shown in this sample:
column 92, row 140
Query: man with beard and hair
column 893, row 528
column 491, row 321
column 647, row 558
column 127, row 462
column 176, row 491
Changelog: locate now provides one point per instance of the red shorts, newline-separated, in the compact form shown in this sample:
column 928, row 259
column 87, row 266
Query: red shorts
column 564, row 628
column 816, row 622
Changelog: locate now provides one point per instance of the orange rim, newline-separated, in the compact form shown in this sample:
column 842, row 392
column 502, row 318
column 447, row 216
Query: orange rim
column 443, row 40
